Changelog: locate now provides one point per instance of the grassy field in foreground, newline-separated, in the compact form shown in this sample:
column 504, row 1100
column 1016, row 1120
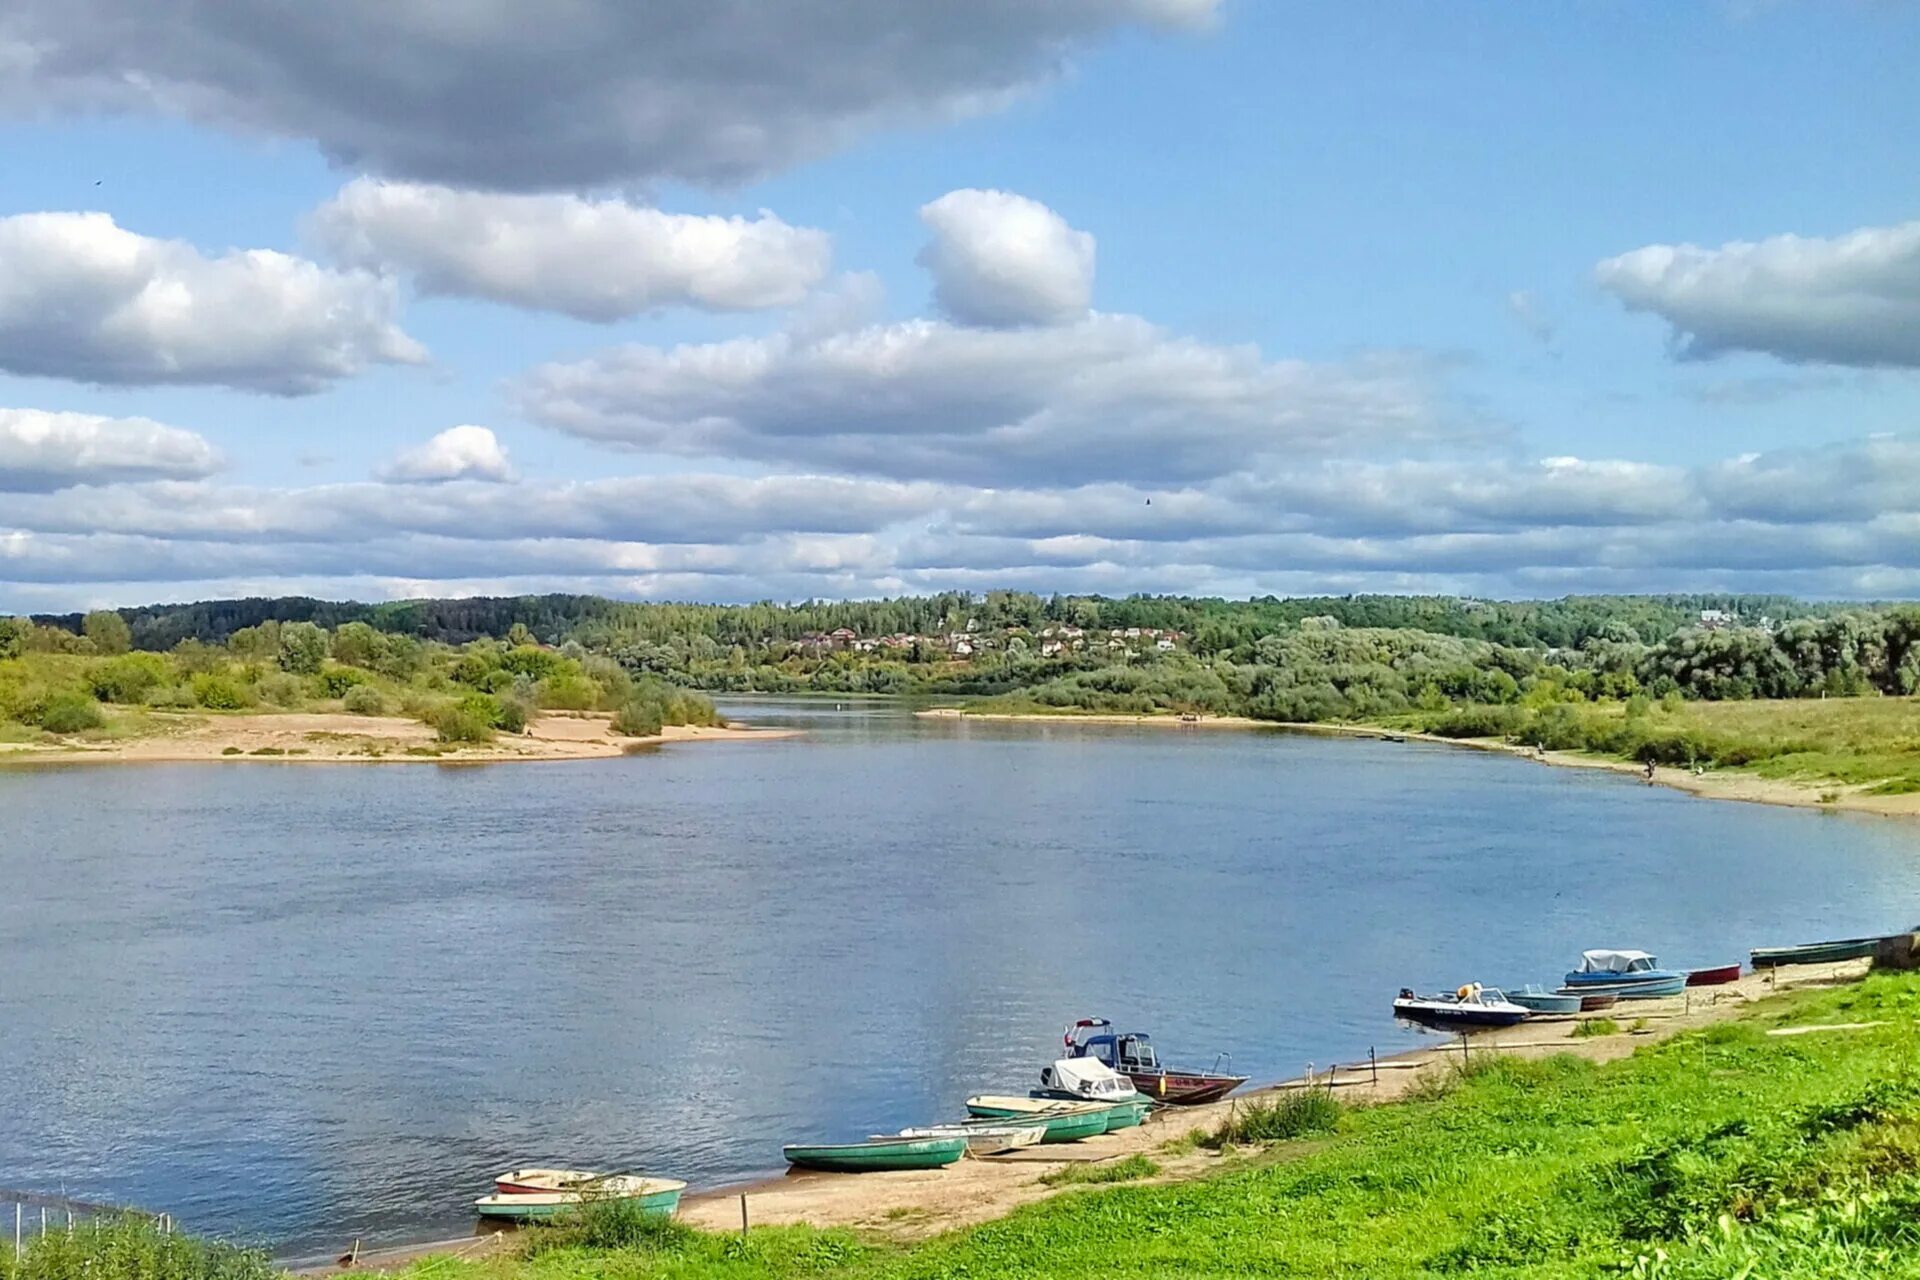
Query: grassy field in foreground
column 1727, row 1154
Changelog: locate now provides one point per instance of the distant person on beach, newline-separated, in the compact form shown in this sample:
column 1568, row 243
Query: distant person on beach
column 1649, row 771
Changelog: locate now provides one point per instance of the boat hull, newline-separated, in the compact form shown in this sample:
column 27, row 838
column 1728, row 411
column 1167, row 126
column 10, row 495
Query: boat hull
column 1814, row 953
column 1069, row 1123
column 1545, row 1001
column 1714, row 976
column 1580, row 981
column 660, row 1200
column 1463, row 1017
column 984, row 1139
column 1184, row 1088
column 1653, row 989
column 1592, row 1002
column 535, row 1182
column 891, row 1155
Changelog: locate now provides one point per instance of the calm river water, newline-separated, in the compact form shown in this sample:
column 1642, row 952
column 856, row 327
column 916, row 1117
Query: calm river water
column 302, row 1004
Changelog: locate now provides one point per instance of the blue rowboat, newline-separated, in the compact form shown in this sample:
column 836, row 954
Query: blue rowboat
column 1669, row 984
column 1540, row 1000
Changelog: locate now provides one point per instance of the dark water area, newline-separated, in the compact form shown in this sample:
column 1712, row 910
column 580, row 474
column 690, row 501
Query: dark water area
column 299, row 1004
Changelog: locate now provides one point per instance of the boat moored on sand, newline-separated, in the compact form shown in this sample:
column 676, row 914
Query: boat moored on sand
column 1470, row 1008
column 1630, row 975
column 1814, row 953
column 1713, row 975
column 877, row 1154
column 659, row 1196
column 1063, row 1121
column 1132, row 1055
column 983, row 1138
column 1538, row 999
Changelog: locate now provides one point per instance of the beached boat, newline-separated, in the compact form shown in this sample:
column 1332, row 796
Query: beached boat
column 1594, row 1001
column 655, row 1195
column 876, row 1154
column 1133, row 1056
column 1814, row 953
column 982, row 1139
column 1616, row 971
column 1085, row 1080
column 1714, row 975
column 533, row 1182
column 1668, row 984
column 1064, row 1121
column 1539, row 1000
column 1471, row 1007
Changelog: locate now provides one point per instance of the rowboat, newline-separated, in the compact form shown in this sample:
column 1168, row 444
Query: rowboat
column 1813, row 953
column 1063, row 1121
column 524, row 1182
column 1616, row 970
column 1133, row 1056
column 1472, row 1006
column 876, row 1154
column 1540, row 1000
column 983, row 1139
column 1125, row 1115
column 660, row 1196
column 1716, row 975
column 1593, row 1001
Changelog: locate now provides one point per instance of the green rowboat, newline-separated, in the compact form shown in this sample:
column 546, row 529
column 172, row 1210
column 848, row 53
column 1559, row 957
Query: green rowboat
column 658, row 1196
column 877, row 1154
column 1125, row 1115
column 1065, row 1121
column 1814, row 953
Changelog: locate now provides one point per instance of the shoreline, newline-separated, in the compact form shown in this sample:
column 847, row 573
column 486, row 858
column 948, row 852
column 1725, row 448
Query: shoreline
column 911, row 1206
column 1831, row 797
column 339, row 738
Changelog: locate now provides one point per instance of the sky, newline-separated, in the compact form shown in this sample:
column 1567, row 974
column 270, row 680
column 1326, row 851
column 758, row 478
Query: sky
column 723, row 301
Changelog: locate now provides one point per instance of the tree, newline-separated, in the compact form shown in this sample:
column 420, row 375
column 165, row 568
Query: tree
column 13, row 636
column 108, row 631
column 303, row 648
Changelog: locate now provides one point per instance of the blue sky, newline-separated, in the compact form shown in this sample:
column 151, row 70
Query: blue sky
column 1345, row 299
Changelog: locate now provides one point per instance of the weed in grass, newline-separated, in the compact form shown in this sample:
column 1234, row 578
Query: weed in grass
column 130, row 1248
column 1592, row 1027
column 1127, row 1170
column 612, row 1224
column 1186, row 1144
column 1292, row 1114
column 1637, row 1026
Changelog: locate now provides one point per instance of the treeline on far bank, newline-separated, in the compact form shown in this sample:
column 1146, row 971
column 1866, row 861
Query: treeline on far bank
column 91, row 680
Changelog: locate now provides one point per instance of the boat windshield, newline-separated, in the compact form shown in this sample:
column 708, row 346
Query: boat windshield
column 1137, row 1051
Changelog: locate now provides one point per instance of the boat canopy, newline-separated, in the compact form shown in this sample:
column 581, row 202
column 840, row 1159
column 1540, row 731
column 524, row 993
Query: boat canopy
column 1087, row 1078
column 1617, row 962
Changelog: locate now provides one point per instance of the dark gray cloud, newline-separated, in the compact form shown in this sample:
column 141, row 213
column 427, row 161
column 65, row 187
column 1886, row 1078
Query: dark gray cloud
column 519, row 94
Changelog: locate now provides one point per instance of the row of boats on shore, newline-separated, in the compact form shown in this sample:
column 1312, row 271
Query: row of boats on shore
column 1106, row 1081
column 1604, row 977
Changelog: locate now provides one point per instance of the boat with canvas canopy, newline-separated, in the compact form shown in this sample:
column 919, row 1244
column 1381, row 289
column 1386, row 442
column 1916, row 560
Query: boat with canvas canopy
column 1090, row 1080
column 1132, row 1055
column 1631, row 975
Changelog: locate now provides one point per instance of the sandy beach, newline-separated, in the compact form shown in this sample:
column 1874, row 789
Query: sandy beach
column 914, row 1205
column 320, row 738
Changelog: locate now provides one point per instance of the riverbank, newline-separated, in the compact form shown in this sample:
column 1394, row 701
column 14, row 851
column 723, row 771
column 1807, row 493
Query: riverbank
column 307, row 737
column 907, row 1208
column 1748, row 1108
column 1164, row 720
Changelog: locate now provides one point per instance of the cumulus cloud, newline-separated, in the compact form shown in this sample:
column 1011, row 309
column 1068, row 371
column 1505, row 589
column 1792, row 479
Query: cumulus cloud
column 598, row 260
column 1109, row 398
column 516, row 94
column 1849, row 300
column 84, row 299
column 41, row 451
column 1000, row 259
column 458, row 453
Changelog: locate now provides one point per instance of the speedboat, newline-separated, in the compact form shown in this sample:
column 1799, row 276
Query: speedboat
column 1631, row 975
column 1469, row 1007
column 1132, row 1055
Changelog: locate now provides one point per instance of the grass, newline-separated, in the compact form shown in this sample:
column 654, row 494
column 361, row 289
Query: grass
column 130, row 1248
column 1128, row 1170
column 1292, row 1114
column 1592, row 1027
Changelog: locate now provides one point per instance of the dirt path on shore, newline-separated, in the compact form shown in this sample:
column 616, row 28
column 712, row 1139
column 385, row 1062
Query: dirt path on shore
column 914, row 1205
column 338, row 738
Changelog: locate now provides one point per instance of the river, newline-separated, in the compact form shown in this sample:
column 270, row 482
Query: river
column 298, row 1004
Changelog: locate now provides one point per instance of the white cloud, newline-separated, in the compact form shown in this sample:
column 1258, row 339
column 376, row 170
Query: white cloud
column 1850, row 300
column 517, row 94
column 458, row 453
column 598, row 260
column 83, row 299
column 1112, row 397
column 42, row 451
column 1002, row 259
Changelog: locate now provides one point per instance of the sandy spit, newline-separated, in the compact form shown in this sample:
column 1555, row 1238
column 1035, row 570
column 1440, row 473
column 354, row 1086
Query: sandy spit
column 324, row 738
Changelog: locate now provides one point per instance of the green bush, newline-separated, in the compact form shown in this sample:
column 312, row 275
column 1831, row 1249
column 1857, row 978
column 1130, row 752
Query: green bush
column 220, row 693
column 641, row 717
column 1292, row 1114
column 130, row 1248
column 364, row 700
column 335, row 682
column 281, row 689
column 130, row 677
column 568, row 691
column 70, row 713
